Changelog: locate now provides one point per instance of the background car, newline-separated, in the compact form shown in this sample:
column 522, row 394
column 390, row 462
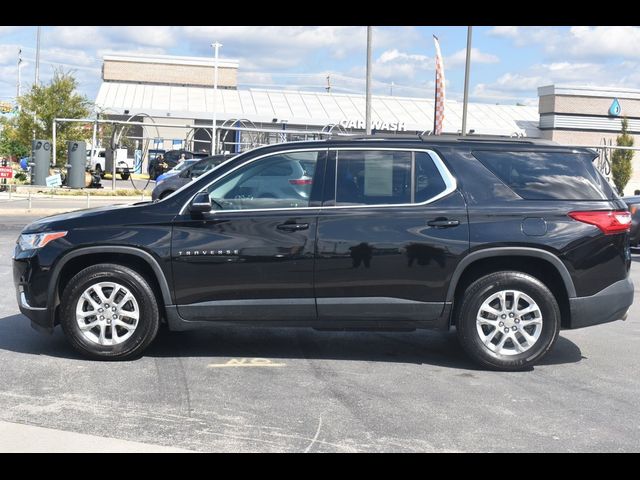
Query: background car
column 633, row 203
column 279, row 182
column 171, row 159
column 177, row 169
column 170, row 184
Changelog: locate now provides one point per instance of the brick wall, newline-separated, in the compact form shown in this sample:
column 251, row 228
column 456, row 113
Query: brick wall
column 586, row 105
column 194, row 75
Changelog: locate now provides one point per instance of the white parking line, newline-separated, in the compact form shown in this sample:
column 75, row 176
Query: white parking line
column 247, row 362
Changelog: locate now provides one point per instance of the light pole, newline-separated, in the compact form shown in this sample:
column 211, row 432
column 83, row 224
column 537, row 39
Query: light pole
column 467, row 72
column 214, row 144
column 37, row 80
column 367, row 118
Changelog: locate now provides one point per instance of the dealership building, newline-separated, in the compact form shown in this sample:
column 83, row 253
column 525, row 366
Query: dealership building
column 162, row 91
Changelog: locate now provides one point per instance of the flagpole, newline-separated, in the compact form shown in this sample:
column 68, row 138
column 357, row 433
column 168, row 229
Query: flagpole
column 467, row 73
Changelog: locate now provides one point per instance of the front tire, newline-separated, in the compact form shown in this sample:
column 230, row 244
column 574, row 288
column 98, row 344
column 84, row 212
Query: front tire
column 109, row 312
column 507, row 320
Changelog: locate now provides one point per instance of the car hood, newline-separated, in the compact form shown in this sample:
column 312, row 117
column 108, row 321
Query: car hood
column 74, row 219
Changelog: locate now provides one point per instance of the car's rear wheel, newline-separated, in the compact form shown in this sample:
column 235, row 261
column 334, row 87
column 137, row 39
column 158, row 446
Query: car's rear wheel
column 507, row 320
column 109, row 312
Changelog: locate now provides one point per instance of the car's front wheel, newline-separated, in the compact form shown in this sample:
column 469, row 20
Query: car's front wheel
column 507, row 320
column 109, row 312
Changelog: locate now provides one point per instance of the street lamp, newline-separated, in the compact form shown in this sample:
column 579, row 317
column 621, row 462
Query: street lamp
column 214, row 143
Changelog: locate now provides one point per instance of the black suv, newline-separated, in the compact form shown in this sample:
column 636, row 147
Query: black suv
column 507, row 240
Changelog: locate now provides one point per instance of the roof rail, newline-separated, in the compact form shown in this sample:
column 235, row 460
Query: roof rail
column 448, row 137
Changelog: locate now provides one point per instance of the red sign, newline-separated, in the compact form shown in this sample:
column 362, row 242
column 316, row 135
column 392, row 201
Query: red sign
column 6, row 172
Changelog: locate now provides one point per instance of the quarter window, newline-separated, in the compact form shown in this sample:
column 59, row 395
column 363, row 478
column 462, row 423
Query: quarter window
column 283, row 180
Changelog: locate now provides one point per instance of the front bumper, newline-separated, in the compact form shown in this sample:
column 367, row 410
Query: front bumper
column 31, row 290
column 40, row 317
column 607, row 305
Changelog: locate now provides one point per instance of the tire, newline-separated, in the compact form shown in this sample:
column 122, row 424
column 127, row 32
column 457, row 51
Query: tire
column 509, row 357
column 125, row 176
column 119, row 347
column 164, row 194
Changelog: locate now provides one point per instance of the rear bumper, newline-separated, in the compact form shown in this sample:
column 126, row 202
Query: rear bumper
column 607, row 305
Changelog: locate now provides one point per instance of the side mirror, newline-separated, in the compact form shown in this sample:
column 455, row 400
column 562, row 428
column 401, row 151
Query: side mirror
column 201, row 203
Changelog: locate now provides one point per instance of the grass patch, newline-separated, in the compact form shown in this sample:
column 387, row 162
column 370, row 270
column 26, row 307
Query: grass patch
column 96, row 192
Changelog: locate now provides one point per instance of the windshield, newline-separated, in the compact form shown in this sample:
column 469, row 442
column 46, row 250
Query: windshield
column 181, row 166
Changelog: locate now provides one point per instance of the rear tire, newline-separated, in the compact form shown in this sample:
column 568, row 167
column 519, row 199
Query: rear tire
column 508, row 339
column 120, row 305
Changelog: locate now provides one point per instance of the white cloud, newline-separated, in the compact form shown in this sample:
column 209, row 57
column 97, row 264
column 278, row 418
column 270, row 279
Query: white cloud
column 460, row 57
column 523, row 85
column 604, row 41
column 504, row 31
column 394, row 65
column 9, row 54
column 578, row 41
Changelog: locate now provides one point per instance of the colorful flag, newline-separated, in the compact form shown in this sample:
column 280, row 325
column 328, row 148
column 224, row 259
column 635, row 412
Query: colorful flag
column 438, row 110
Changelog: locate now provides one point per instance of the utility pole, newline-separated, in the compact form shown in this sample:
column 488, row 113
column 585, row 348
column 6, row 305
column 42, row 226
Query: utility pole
column 391, row 89
column 328, row 87
column 367, row 119
column 467, row 73
column 214, row 144
column 19, row 82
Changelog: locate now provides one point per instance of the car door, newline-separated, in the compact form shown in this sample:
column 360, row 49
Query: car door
column 252, row 257
column 392, row 229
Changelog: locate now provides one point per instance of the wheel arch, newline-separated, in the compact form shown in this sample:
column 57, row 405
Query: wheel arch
column 543, row 265
column 78, row 259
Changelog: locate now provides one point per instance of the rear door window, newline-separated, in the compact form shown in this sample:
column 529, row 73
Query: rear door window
column 548, row 175
column 372, row 177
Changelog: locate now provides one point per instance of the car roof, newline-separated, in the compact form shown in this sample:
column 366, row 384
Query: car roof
column 468, row 142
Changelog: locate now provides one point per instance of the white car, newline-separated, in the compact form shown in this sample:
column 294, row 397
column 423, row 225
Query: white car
column 96, row 162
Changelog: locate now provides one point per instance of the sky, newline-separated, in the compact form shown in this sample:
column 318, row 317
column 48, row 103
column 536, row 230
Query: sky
column 508, row 63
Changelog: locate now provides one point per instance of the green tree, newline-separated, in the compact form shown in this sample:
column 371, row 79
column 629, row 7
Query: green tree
column 58, row 99
column 10, row 146
column 621, row 159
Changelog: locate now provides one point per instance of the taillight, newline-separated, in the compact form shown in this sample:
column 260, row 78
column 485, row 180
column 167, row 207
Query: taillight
column 608, row 221
column 300, row 181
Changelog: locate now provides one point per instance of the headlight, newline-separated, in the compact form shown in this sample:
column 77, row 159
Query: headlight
column 32, row 241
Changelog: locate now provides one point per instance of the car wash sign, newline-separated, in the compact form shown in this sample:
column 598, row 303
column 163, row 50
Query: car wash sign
column 375, row 125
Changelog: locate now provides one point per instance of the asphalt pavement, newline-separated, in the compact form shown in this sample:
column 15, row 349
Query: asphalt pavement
column 298, row 390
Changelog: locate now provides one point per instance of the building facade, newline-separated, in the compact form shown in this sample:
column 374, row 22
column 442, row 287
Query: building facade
column 578, row 115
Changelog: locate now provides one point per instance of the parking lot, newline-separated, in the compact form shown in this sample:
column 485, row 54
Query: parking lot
column 298, row 390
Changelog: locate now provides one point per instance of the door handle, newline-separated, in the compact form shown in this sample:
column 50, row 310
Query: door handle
column 443, row 223
column 292, row 227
